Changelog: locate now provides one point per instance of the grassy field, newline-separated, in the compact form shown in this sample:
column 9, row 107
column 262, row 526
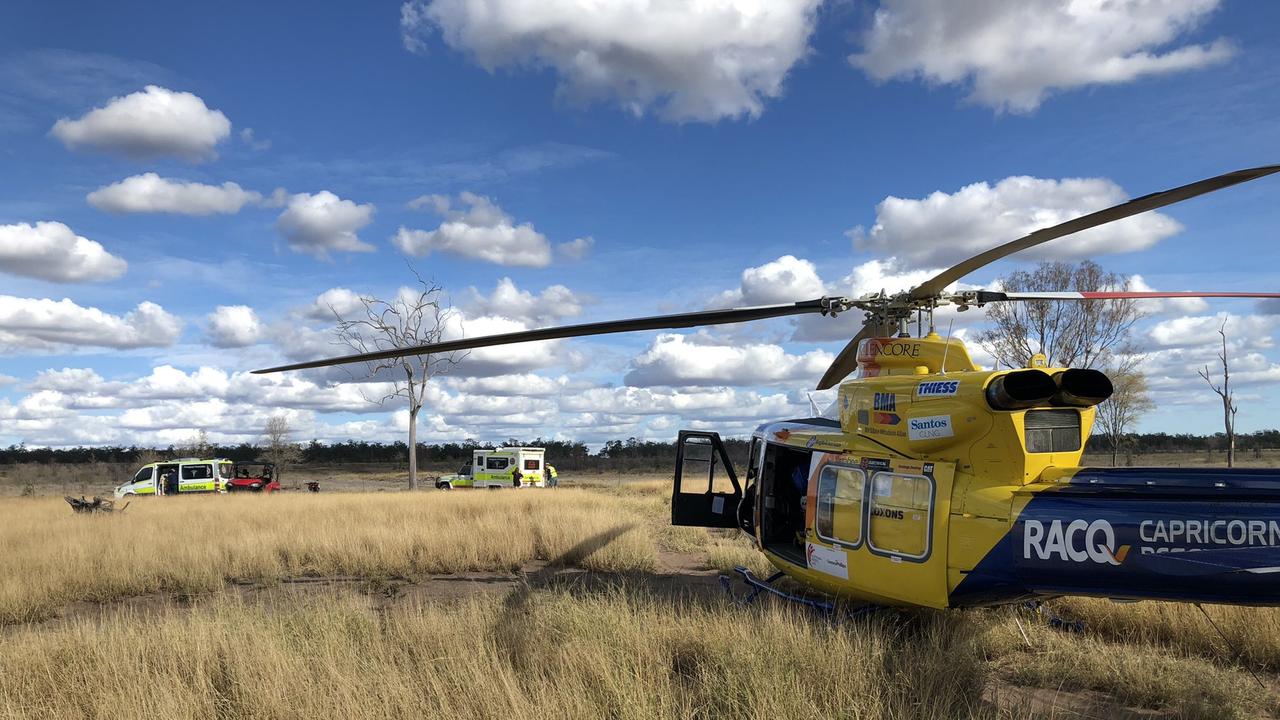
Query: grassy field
column 567, row 603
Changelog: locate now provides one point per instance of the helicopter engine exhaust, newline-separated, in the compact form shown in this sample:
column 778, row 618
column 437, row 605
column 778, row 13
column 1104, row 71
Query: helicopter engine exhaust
column 1021, row 389
column 1081, row 388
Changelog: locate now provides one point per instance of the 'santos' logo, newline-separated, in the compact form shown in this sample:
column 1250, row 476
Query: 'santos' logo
column 1078, row 541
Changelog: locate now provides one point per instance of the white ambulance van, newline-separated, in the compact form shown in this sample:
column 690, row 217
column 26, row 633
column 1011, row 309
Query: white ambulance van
column 182, row 476
column 498, row 468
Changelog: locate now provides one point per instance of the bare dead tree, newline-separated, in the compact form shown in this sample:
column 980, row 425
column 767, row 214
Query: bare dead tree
column 1071, row 333
column 280, row 450
column 1223, row 390
column 1118, row 413
column 412, row 318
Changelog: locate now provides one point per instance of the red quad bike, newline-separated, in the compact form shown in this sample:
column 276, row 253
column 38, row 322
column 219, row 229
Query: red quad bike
column 254, row 477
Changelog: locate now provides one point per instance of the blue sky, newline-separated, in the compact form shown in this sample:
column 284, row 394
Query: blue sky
column 640, row 158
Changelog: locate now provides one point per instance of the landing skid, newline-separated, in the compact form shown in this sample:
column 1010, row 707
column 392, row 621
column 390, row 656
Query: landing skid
column 1055, row 621
column 759, row 586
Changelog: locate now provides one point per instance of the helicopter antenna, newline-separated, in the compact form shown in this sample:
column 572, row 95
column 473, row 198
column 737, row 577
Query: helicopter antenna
column 813, row 406
column 947, row 349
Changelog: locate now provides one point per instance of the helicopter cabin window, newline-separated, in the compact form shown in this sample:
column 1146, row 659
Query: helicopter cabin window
column 839, row 512
column 1052, row 431
column 196, row 472
column 901, row 515
column 532, row 464
column 496, row 463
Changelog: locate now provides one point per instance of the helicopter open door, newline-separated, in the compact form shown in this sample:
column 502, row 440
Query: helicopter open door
column 701, row 497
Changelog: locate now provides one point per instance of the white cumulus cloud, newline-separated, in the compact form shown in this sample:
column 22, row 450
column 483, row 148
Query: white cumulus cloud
column 52, row 251
column 944, row 228
column 151, row 123
column 323, row 222
column 233, row 326
column 683, row 360
column 150, row 193
column 481, row 232
column 551, row 305
column 42, row 324
column 687, row 60
column 1012, row 53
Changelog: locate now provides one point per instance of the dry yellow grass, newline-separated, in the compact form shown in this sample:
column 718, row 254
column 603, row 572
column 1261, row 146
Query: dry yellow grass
column 621, row 651
column 619, row 654
column 192, row 545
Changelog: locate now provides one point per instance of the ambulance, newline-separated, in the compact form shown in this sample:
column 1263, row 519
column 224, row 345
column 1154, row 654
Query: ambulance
column 182, row 476
column 497, row 469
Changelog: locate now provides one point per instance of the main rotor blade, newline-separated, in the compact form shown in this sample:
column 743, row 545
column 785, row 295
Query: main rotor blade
column 657, row 322
column 986, row 296
column 938, row 283
column 847, row 360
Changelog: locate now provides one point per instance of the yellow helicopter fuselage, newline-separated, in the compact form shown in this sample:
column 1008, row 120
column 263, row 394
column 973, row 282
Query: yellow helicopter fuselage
column 933, row 483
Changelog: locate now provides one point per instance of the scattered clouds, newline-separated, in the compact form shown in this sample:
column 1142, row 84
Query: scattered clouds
column 700, row 61
column 1166, row 306
column 548, row 307
column 684, row 360
column 483, row 231
column 41, row 324
column 944, row 228
column 320, row 223
column 52, row 251
column 148, row 124
column 338, row 300
column 248, row 137
column 1249, row 332
column 715, row 403
column 785, row 280
column 232, row 326
column 1011, row 54
column 150, row 193
column 576, row 249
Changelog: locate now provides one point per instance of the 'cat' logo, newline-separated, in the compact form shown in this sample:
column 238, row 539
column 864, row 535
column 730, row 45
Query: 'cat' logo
column 1078, row 541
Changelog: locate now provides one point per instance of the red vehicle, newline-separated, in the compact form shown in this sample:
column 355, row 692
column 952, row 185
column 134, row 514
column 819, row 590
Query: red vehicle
column 258, row 476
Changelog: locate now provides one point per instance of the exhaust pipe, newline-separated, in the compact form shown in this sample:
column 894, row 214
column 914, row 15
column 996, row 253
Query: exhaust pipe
column 1021, row 389
column 1081, row 388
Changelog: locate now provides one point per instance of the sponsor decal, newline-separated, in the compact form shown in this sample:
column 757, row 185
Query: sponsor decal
column 1174, row 534
column 827, row 560
column 898, row 350
column 937, row 389
column 886, row 402
column 812, row 441
column 882, row 418
column 888, row 513
column 1076, row 541
column 929, row 428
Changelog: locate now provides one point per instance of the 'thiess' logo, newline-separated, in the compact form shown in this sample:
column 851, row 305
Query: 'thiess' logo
column 937, row 388
column 1078, row 541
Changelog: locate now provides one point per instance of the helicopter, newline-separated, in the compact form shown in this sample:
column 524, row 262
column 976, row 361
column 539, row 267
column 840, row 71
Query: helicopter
column 931, row 482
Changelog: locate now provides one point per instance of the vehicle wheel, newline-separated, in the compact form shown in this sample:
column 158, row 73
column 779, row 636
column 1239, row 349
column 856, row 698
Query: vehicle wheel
column 444, row 486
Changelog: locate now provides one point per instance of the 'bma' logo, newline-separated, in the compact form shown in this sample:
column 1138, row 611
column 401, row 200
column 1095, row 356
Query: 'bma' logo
column 1079, row 541
column 885, row 402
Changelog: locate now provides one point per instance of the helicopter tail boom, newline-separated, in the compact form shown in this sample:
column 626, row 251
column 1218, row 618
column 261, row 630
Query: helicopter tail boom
column 1191, row 535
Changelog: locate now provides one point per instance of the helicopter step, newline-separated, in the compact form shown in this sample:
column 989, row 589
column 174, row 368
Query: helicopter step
column 1192, row 535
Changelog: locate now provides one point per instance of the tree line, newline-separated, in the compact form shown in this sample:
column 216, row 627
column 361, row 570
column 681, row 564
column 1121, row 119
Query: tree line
column 631, row 454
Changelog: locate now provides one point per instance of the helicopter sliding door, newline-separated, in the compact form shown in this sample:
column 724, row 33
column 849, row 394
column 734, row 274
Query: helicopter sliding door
column 706, row 491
